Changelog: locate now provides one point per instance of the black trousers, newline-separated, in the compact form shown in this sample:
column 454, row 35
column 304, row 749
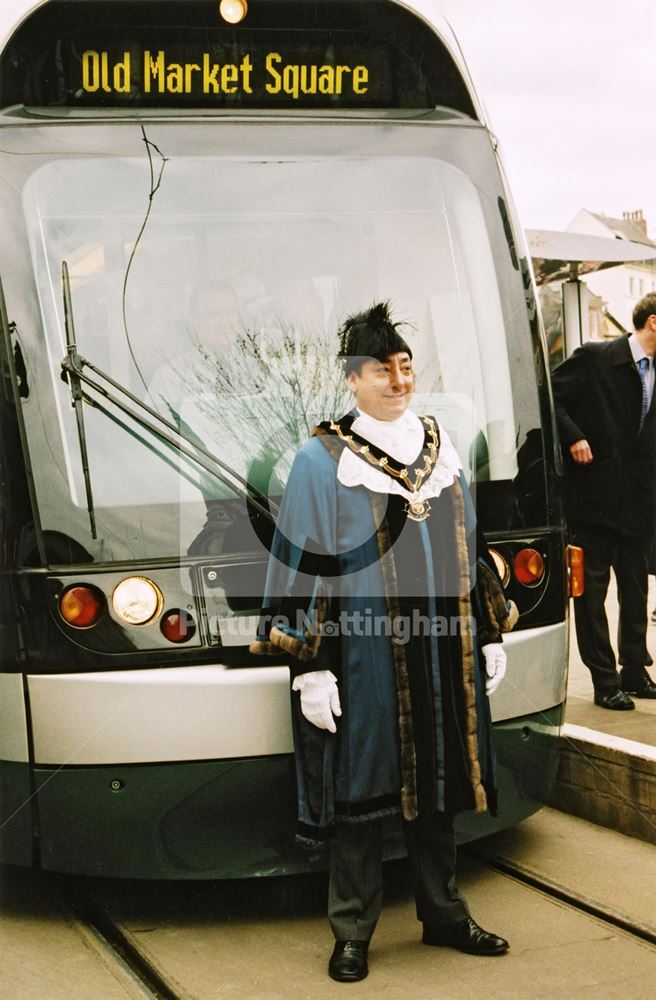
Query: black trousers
column 355, row 892
column 628, row 557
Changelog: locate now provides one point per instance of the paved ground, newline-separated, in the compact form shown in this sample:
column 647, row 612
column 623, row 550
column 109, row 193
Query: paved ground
column 556, row 952
column 269, row 940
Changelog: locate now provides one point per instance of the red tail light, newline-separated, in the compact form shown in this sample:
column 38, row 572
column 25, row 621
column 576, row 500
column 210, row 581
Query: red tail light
column 178, row 626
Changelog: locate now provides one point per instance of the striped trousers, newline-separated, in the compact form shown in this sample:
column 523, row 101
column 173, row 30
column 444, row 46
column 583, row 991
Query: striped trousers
column 355, row 890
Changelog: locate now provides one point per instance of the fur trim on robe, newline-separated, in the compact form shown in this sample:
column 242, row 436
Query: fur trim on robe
column 500, row 616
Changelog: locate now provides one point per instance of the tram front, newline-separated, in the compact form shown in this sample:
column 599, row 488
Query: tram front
column 191, row 208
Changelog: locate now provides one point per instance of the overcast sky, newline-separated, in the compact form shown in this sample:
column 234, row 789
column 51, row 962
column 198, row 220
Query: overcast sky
column 570, row 86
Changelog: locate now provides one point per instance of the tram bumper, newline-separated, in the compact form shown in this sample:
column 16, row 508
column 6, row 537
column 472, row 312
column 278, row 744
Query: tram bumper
column 214, row 712
column 166, row 773
column 220, row 819
column 168, row 714
column 188, row 773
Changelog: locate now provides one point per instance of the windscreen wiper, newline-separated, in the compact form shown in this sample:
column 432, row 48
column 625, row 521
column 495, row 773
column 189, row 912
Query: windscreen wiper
column 74, row 366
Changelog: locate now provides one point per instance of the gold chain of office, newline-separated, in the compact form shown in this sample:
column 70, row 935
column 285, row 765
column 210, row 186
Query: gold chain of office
column 387, row 464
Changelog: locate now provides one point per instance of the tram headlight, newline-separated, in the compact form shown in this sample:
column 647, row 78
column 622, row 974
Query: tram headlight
column 233, row 11
column 501, row 566
column 529, row 567
column 81, row 606
column 137, row 600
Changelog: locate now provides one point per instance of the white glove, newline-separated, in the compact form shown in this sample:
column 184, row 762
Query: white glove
column 495, row 666
column 319, row 698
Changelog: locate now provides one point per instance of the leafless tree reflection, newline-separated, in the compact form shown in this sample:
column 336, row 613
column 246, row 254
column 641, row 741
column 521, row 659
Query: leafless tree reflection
column 266, row 391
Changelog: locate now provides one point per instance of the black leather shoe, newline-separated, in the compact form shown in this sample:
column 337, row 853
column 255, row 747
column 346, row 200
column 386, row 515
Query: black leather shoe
column 348, row 962
column 642, row 688
column 466, row 936
column 617, row 700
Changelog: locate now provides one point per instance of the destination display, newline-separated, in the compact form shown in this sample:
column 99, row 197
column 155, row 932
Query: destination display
column 156, row 54
column 156, row 72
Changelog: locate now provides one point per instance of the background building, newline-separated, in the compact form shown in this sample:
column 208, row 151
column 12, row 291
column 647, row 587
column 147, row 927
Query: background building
column 618, row 287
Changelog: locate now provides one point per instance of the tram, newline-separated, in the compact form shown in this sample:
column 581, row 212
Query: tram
column 194, row 195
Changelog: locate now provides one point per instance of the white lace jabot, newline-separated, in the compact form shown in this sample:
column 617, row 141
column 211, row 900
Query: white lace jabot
column 403, row 439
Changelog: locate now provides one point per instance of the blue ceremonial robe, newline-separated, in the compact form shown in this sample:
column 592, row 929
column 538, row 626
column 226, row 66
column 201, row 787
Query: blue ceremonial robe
column 347, row 569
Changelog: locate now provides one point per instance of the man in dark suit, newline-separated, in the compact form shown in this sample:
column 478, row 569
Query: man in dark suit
column 607, row 425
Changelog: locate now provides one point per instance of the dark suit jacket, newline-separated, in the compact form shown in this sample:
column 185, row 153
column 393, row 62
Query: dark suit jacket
column 598, row 396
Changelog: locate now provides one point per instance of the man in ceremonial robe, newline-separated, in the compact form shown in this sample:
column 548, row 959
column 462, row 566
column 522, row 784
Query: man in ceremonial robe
column 379, row 589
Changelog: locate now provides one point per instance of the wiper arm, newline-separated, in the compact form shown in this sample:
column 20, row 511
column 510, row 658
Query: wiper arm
column 162, row 428
column 72, row 364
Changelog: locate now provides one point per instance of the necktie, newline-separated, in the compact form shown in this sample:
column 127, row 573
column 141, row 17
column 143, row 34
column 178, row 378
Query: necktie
column 643, row 370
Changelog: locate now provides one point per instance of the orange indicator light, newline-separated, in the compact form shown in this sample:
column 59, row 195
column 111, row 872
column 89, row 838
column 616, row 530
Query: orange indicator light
column 529, row 567
column 81, row 606
column 574, row 561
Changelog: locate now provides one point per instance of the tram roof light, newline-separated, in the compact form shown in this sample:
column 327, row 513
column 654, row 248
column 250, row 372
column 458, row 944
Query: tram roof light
column 233, row 11
column 137, row 600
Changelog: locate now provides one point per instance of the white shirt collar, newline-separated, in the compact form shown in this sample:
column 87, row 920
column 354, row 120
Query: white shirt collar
column 637, row 350
column 402, row 438
column 393, row 436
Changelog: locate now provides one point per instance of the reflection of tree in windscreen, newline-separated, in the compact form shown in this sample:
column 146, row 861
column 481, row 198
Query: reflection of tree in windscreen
column 271, row 388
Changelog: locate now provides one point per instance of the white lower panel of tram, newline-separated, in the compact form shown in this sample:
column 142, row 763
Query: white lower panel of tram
column 213, row 712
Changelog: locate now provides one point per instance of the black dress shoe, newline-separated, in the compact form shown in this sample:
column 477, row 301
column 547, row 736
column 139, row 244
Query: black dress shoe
column 348, row 962
column 466, row 936
column 642, row 688
column 617, row 700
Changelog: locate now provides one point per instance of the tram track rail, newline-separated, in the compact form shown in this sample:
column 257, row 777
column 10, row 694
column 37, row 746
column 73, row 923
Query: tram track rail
column 115, row 949
column 142, row 979
column 539, row 882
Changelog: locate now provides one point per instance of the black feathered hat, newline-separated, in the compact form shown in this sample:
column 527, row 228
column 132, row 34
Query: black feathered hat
column 370, row 334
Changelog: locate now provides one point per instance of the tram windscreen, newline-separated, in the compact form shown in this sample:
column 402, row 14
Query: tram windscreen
column 223, row 314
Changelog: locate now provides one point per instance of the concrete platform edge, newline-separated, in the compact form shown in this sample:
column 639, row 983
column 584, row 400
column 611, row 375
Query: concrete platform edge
column 608, row 780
